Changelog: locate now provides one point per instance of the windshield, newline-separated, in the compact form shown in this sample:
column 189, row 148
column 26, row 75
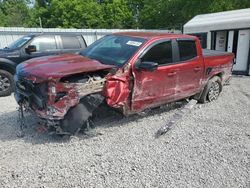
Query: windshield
column 20, row 42
column 113, row 49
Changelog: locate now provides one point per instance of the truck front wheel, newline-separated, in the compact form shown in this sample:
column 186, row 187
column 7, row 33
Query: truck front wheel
column 75, row 119
column 77, row 116
column 212, row 90
column 6, row 83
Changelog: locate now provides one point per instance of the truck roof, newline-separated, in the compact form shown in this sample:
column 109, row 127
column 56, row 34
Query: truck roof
column 151, row 35
column 55, row 33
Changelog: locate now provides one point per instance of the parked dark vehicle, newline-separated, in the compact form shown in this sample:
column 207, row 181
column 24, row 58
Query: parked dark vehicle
column 31, row 46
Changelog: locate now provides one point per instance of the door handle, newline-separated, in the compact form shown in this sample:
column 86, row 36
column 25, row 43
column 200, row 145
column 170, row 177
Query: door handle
column 171, row 74
column 196, row 69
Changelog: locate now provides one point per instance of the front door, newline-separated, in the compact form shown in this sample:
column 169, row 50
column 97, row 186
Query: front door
column 45, row 45
column 156, row 87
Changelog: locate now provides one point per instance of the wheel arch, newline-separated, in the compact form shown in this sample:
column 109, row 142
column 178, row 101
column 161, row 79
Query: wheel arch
column 201, row 97
column 8, row 65
column 220, row 76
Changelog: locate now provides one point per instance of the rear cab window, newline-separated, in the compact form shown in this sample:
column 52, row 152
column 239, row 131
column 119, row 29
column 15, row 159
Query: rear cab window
column 187, row 49
column 72, row 42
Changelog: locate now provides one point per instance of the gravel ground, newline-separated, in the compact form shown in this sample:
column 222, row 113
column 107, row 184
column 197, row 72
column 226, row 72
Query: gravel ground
column 210, row 147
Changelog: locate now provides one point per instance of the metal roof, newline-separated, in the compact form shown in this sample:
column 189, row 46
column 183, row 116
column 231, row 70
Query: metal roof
column 235, row 19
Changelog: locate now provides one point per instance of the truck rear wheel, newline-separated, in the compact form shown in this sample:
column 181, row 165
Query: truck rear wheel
column 212, row 90
column 6, row 83
column 75, row 119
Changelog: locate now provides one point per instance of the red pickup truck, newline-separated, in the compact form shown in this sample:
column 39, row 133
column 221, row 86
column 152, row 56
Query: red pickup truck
column 129, row 71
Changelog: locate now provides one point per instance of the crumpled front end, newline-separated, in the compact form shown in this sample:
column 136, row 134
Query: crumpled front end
column 51, row 99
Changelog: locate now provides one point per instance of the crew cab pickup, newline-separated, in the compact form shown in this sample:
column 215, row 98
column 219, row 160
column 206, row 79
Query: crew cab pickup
column 31, row 46
column 129, row 71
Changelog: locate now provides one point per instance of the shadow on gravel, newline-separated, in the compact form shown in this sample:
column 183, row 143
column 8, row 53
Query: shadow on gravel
column 111, row 118
column 105, row 118
column 9, row 127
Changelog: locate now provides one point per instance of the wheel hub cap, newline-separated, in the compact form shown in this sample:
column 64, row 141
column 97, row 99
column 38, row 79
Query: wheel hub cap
column 4, row 83
column 214, row 91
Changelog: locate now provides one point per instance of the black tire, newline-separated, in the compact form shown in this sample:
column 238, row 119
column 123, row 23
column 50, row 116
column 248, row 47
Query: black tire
column 6, row 83
column 75, row 119
column 212, row 90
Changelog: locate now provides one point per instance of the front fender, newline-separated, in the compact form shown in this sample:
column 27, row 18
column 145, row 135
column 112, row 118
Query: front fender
column 117, row 91
column 8, row 65
column 118, row 88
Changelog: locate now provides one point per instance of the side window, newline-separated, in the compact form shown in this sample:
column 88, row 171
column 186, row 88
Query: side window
column 187, row 50
column 160, row 53
column 44, row 43
column 70, row 42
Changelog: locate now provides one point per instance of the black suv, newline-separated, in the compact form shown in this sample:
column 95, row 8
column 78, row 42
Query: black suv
column 31, row 46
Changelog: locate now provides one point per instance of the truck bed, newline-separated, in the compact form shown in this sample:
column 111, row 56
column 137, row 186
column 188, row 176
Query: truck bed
column 217, row 62
column 209, row 53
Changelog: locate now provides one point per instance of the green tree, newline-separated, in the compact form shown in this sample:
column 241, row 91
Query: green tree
column 222, row 5
column 2, row 16
column 170, row 14
column 175, row 13
column 157, row 14
column 83, row 14
column 68, row 14
column 14, row 13
column 117, row 14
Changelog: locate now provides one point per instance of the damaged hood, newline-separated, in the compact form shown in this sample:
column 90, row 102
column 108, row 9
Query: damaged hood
column 56, row 67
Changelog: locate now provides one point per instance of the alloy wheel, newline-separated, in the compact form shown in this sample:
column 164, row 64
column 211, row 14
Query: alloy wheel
column 4, row 83
column 214, row 91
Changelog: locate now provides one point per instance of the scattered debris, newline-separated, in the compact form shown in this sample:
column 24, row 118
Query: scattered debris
column 21, row 121
column 176, row 118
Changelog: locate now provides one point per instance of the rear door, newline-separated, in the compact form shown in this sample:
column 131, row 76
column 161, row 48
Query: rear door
column 156, row 87
column 189, row 67
column 71, row 43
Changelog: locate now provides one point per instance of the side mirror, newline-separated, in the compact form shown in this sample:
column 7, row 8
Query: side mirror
column 146, row 65
column 30, row 49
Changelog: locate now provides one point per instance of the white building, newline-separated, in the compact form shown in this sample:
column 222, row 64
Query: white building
column 225, row 31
